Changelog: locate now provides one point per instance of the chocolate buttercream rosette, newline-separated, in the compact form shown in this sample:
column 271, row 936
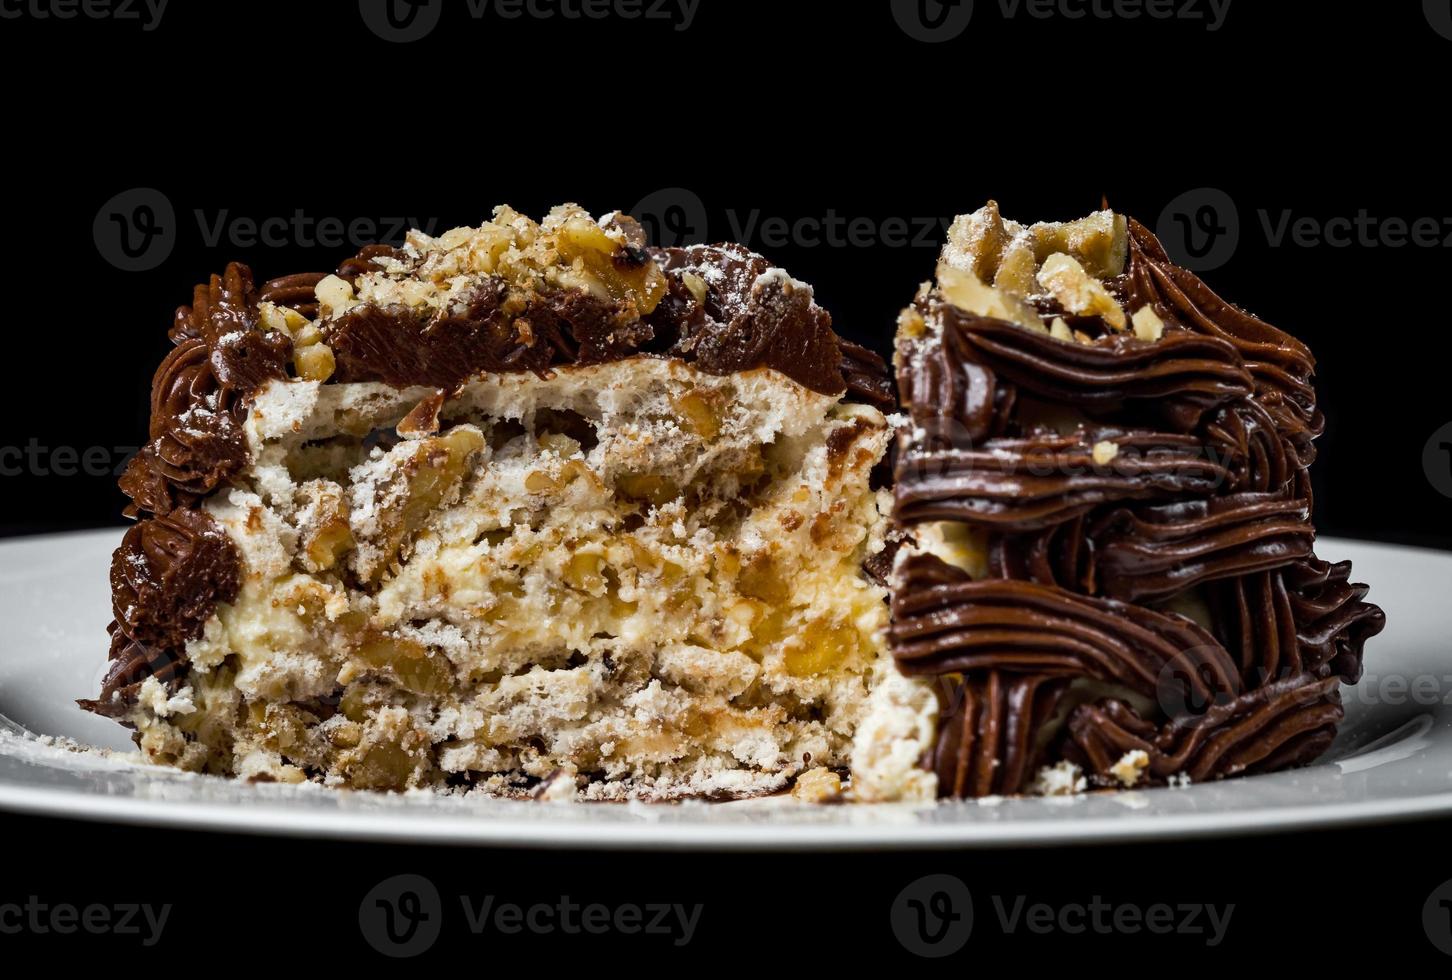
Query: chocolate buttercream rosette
column 1105, row 474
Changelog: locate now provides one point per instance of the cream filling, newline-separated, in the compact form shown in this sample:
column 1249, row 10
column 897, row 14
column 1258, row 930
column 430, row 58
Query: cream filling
column 635, row 578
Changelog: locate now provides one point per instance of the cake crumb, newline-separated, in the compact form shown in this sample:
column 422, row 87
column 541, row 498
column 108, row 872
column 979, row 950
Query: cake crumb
column 1061, row 779
column 1130, row 769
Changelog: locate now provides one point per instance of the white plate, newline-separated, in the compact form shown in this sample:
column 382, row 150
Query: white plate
column 1394, row 759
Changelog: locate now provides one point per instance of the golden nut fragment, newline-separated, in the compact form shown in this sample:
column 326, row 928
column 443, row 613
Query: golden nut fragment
column 315, row 363
column 818, row 786
column 1078, row 292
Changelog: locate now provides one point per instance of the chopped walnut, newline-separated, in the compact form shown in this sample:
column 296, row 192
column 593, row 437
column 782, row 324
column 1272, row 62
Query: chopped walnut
column 1100, row 242
column 1078, row 292
column 966, row 291
column 818, row 786
column 1147, row 324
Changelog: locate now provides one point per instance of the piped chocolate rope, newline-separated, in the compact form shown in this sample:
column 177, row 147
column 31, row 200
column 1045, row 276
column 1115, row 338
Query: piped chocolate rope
column 1089, row 539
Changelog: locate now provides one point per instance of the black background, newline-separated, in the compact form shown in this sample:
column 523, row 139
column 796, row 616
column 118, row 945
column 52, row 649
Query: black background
column 796, row 110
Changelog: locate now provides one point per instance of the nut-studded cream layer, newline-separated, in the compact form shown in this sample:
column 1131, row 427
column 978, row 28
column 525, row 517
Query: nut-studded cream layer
column 631, row 580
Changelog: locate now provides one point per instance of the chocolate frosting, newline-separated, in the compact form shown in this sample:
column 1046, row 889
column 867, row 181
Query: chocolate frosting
column 168, row 574
column 987, row 734
column 1202, row 497
column 751, row 316
column 1027, row 484
column 199, row 396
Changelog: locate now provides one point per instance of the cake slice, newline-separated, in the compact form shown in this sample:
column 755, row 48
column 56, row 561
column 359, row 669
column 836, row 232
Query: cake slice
column 528, row 509
column 1105, row 476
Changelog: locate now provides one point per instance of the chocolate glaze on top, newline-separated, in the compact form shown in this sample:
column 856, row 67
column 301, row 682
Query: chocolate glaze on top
column 1204, row 499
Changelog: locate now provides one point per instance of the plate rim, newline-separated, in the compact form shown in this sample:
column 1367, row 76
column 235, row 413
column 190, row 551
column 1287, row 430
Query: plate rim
column 272, row 820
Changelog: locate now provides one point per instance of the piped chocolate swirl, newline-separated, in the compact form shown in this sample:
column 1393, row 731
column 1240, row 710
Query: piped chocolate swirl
column 1106, row 477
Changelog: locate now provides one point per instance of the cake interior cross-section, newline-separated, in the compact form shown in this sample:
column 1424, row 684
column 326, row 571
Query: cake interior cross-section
column 528, row 509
